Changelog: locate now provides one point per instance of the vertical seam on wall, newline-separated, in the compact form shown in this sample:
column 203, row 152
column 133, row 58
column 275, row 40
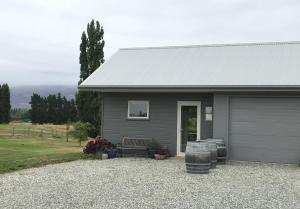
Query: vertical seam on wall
column 214, row 121
column 102, row 115
column 228, row 121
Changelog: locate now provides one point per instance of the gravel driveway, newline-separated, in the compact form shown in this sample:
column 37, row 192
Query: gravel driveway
column 145, row 183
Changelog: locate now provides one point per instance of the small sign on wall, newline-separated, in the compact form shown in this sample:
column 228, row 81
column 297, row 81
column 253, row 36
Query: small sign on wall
column 208, row 117
column 208, row 113
column 208, row 110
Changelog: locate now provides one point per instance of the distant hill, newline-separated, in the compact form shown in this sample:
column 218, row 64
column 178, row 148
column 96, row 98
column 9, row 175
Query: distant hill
column 20, row 95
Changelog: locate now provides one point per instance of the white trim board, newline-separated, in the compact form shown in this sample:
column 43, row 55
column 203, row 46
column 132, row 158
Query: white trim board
column 179, row 105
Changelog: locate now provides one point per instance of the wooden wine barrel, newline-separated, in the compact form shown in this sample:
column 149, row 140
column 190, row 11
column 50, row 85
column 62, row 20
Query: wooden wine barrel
column 213, row 153
column 197, row 157
column 221, row 149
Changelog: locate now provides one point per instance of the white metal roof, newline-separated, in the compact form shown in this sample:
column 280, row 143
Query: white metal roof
column 255, row 64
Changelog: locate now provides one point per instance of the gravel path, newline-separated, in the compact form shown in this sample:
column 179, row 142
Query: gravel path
column 144, row 183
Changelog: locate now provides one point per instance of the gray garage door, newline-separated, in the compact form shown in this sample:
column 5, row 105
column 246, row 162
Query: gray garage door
column 264, row 129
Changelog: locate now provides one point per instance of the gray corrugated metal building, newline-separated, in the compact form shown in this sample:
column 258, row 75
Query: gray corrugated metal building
column 248, row 94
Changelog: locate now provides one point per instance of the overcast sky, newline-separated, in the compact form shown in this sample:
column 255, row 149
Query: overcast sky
column 40, row 39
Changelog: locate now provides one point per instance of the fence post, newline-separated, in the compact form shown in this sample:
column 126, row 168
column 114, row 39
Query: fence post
column 67, row 132
column 13, row 131
column 68, row 129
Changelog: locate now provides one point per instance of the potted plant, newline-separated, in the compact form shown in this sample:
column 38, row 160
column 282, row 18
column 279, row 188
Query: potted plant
column 98, row 148
column 153, row 147
column 161, row 154
column 101, row 155
column 101, row 149
column 112, row 152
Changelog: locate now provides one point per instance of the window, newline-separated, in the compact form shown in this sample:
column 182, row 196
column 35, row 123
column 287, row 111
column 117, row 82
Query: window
column 138, row 109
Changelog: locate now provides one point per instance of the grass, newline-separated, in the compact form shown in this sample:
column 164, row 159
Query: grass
column 21, row 151
column 17, row 154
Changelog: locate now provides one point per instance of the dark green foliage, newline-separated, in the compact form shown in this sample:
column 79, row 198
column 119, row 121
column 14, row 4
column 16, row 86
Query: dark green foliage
column 95, row 45
column 72, row 111
column 83, row 60
column 38, row 111
column 4, row 104
column 91, row 50
column 52, row 109
column 89, row 107
column 91, row 57
column 1, row 105
column 154, row 145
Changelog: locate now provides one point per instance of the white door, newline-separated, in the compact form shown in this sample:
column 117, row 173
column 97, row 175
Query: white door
column 188, row 123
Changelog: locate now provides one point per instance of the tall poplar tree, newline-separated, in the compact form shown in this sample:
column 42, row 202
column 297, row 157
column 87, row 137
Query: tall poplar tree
column 83, row 59
column 91, row 57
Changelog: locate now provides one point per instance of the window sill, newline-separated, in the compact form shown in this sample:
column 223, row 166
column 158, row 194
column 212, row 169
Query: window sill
column 138, row 119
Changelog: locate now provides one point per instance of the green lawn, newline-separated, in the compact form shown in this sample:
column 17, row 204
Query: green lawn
column 21, row 153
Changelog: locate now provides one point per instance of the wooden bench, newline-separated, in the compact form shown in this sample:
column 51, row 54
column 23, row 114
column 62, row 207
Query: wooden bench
column 131, row 146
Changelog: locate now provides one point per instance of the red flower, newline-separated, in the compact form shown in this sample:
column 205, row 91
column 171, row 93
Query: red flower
column 162, row 151
column 99, row 144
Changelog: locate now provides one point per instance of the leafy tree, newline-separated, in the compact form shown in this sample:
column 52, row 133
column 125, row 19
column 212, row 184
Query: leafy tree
column 83, row 58
column 61, row 116
column 89, row 108
column 4, row 104
column 91, row 57
column 34, row 108
column 65, row 109
column 81, row 131
column 73, row 116
column 38, row 110
column 52, row 109
column 95, row 45
column 1, row 105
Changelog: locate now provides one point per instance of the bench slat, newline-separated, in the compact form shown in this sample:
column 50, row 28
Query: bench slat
column 134, row 145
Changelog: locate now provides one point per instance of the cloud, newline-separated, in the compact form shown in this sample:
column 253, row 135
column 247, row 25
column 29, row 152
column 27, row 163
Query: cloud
column 40, row 39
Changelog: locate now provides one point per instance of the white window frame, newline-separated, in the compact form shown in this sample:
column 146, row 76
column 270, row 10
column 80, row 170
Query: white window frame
column 137, row 101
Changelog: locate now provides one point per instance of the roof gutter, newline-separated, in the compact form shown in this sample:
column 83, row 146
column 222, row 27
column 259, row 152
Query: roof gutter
column 236, row 88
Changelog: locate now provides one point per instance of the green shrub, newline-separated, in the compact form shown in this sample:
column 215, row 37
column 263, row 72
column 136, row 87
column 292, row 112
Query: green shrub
column 81, row 131
column 153, row 145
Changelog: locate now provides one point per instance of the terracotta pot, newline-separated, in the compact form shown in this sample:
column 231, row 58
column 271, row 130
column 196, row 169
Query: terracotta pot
column 101, row 156
column 160, row 157
column 104, row 156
